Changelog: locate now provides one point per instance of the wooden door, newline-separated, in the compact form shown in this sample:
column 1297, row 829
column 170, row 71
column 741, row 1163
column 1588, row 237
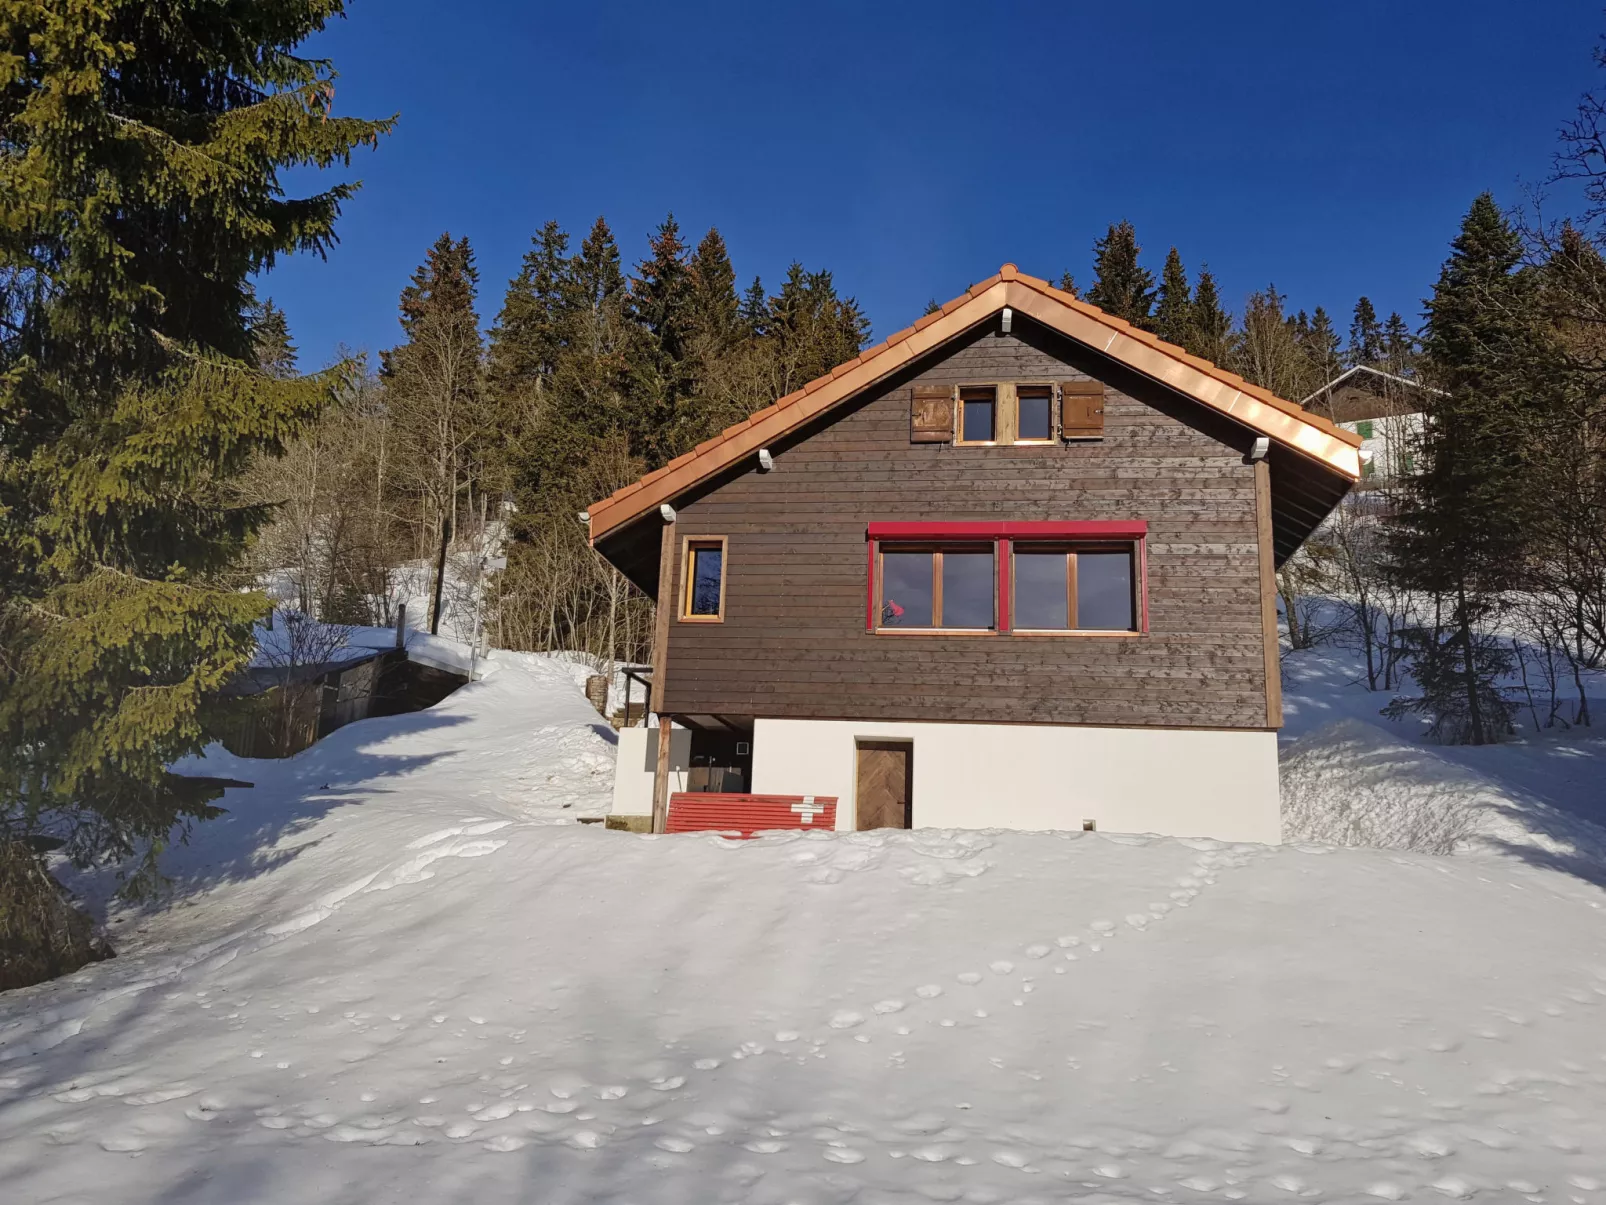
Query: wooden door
column 885, row 779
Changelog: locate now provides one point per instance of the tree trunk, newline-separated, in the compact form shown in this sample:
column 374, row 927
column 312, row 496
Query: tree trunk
column 440, row 577
column 1469, row 669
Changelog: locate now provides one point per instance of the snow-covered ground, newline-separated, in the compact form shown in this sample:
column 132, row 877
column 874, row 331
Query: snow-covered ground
column 393, row 974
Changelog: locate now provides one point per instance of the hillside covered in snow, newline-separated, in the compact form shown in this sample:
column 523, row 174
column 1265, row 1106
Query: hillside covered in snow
column 395, row 972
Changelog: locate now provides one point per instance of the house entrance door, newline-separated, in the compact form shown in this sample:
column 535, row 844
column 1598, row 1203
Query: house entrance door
column 884, row 795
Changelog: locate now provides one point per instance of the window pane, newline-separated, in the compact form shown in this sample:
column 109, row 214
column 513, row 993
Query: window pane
column 708, row 564
column 1104, row 590
column 978, row 419
column 1035, row 409
column 967, row 589
column 906, row 589
column 1041, row 590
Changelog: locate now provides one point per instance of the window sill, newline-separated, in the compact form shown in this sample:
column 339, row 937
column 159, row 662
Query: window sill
column 1130, row 633
column 938, row 632
column 702, row 619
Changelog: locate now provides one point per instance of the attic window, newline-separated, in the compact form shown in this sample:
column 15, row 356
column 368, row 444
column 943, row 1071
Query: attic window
column 978, row 415
column 1034, row 414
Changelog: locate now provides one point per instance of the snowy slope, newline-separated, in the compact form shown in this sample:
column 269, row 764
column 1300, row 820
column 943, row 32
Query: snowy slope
column 1352, row 777
column 401, row 980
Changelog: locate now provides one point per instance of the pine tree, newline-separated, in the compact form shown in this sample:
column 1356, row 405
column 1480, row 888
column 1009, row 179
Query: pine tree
column 1211, row 336
column 1365, row 336
column 1460, row 533
column 1173, row 315
column 1121, row 286
column 1067, row 284
column 140, row 188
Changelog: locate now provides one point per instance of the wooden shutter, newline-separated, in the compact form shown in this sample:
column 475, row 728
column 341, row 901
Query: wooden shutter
column 1082, row 410
column 931, row 414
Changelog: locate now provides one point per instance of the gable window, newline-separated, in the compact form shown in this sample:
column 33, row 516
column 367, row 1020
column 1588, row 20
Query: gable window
column 704, row 599
column 978, row 415
column 1034, row 413
column 1036, row 578
column 941, row 587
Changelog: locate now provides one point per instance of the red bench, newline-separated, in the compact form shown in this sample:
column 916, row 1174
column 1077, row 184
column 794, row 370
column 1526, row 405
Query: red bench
column 709, row 812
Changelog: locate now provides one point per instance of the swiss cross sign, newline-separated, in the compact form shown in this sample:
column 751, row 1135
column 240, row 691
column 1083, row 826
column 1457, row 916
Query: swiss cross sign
column 702, row 812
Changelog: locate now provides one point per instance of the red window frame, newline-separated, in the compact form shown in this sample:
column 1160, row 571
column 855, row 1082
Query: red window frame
column 1004, row 536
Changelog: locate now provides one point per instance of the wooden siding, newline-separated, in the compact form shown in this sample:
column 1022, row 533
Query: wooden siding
column 793, row 643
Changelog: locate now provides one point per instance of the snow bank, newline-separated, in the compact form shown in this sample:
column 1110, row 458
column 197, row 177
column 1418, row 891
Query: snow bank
column 1353, row 783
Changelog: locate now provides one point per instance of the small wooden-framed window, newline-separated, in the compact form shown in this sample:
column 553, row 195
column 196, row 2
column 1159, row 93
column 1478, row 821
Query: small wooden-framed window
column 1034, row 414
column 703, row 593
column 978, row 414
column 1081, row 588
column 947, row 587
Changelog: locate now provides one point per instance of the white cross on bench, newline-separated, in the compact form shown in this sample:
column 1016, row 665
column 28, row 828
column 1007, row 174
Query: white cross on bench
column 808, row 809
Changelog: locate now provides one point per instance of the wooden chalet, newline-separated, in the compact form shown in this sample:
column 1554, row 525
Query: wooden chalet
column 1012, row 567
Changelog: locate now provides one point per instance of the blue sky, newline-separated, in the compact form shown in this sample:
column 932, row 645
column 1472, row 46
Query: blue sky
column 911, row 149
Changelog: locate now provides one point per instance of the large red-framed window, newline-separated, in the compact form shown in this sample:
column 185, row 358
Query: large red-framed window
column 1008, row 578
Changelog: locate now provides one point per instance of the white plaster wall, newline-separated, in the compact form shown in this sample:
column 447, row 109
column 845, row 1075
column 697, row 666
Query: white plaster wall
column 1181, row 783
column 638, row 762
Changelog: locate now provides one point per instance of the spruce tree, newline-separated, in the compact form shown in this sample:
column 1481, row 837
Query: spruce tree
column 1399, row 346
column 1320, row 343
column 1212, row 326
column 755, row 308
column 140, row 188
column 1173, row 314
column 528, row 335
column 270, row 332
column 434, row 384
column 1459, row 536
column 1365, row 336
column 1121, row 286
column 661, row 293
column 713, row 312
column 1067, row 284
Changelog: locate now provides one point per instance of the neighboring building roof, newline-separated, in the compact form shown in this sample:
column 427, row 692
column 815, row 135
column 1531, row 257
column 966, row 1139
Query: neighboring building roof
column 1315, row 437
column 1363, row 392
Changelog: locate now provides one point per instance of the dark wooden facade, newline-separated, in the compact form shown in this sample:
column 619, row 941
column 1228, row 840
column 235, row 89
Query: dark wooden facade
column 793, row 642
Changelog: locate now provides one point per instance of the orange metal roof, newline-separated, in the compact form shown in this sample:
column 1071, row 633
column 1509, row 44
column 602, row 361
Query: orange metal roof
column 1256, row 408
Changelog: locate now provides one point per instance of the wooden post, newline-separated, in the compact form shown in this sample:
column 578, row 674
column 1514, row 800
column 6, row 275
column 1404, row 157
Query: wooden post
column 660, row 780
column 660, row 674
column 401, row 625
column 1268, row 595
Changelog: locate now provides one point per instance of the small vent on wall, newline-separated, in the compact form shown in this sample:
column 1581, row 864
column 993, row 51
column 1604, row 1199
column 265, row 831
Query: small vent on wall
column 1089, row 826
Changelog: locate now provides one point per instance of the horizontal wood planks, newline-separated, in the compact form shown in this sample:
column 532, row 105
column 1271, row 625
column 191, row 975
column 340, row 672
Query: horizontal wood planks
column 793, row 642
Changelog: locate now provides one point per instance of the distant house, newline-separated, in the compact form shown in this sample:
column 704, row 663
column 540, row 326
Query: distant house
column 1012, row 567
column 1385, row 410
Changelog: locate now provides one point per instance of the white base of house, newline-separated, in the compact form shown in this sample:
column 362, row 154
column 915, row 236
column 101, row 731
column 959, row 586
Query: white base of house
column 637, row 764
column 1176, row 782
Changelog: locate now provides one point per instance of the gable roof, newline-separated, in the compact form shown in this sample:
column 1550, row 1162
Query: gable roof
column 1285, row 423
